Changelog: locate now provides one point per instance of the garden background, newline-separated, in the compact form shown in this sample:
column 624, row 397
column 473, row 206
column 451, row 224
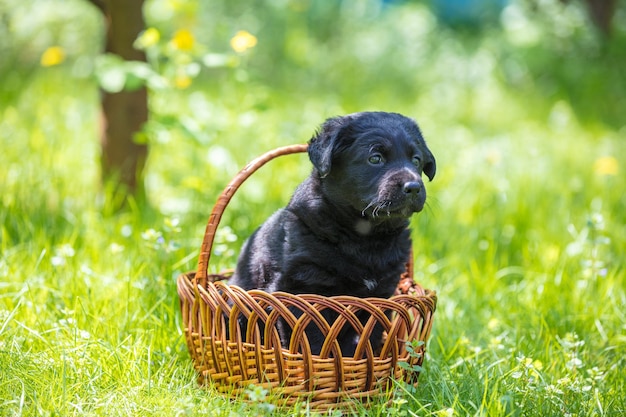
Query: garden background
column 524, row 238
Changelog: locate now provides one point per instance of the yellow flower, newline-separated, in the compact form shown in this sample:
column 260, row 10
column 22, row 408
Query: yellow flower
column 182, row 81
column 242, row 41
column 606, row 165
column 52, row 56
column 148, row 38
column 183, row 39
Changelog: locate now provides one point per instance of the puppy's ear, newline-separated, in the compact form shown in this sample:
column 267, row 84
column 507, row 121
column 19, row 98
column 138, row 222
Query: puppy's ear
column 430, row 165
column 322, row 145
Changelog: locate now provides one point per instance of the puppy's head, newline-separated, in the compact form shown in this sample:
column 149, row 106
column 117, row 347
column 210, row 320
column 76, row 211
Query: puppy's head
column 372, row 163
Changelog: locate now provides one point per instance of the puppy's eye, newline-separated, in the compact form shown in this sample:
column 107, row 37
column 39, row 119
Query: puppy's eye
column 375, row 159
column 417, row 161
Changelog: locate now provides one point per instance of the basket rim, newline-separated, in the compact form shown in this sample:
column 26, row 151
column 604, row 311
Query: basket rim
column 190, row 291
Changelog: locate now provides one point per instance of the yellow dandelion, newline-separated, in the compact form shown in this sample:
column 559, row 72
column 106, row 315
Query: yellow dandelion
column 148, row 38
column 182, row 81
column 606, row 165
column 52, row 56
column 183, row 39
column 242, row 41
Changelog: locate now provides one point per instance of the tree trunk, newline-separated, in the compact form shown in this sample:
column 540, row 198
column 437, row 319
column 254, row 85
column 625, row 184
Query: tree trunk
column 602, row 12
column 123, row 113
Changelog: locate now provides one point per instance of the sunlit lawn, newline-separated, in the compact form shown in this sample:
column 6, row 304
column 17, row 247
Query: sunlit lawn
column 523, row 239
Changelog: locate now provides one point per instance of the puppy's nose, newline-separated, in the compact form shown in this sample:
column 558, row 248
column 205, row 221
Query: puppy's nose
column 412, row 187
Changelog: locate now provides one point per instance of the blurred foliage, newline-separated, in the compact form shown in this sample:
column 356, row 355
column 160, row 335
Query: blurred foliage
column 29, row 28
column 350, row 51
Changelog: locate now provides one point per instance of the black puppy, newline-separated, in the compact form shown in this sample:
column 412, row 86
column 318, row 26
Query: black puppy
column 345, row 230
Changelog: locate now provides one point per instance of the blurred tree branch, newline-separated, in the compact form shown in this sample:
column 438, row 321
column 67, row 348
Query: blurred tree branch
column 125, row 112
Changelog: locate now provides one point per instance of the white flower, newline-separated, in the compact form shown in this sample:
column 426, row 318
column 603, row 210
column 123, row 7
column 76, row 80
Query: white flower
column 574, row 363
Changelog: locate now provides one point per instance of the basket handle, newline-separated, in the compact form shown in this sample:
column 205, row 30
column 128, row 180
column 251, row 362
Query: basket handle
column 223, row 200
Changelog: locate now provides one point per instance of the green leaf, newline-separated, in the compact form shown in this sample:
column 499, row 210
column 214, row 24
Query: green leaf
column 213, row 60
column 137, row 73
column 115, row 74
column 110, row 72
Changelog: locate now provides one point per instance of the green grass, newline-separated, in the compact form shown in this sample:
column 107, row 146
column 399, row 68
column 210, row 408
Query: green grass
column 523, row 239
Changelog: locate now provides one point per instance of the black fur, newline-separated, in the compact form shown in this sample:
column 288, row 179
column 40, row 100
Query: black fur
column 345, row 230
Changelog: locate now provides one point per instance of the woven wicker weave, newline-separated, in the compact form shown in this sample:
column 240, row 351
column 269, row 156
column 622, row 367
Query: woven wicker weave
column 233, row 340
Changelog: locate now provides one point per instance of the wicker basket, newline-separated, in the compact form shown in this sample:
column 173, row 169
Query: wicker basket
column 233, row 339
